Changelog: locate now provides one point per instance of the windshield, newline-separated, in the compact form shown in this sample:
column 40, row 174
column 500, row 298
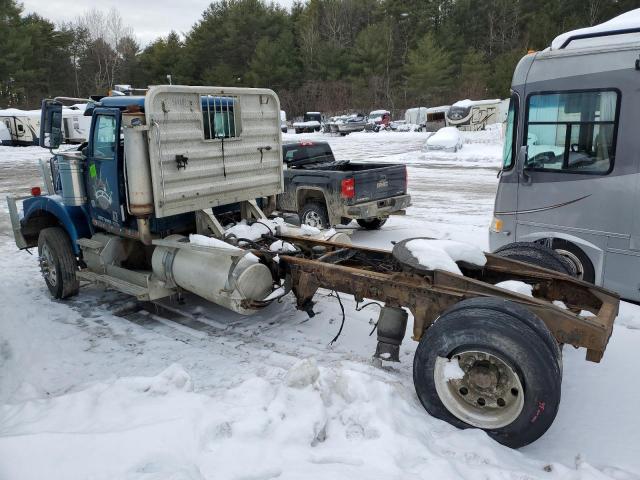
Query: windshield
column 458, row 113
column 508, row 152
column 311, row 117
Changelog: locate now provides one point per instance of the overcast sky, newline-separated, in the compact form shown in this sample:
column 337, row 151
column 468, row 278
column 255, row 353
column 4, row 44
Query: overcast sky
column 149, row 19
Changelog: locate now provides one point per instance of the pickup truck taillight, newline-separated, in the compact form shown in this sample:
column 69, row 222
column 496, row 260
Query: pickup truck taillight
column 348, row 188
column 35, row 191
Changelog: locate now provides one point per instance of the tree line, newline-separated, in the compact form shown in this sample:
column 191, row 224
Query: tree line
column 328, row 55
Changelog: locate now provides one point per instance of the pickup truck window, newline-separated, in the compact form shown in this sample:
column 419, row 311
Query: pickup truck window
column 104, row 137
column 318, row 152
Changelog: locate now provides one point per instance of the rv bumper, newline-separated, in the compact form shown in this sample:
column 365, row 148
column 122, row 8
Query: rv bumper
column 15, row 221
column 379, row 208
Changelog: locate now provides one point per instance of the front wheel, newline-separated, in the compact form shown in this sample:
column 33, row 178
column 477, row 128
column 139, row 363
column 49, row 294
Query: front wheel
column 485, row 364
column 58, row 262
column 371, row 223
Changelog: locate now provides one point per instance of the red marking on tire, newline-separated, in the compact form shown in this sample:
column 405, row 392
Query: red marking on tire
column 541, row 406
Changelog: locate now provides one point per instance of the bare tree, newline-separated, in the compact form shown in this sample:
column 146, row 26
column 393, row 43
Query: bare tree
column 106, row 32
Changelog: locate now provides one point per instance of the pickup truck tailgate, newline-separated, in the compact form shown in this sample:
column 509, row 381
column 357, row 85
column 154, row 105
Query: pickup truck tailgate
column 379, row 183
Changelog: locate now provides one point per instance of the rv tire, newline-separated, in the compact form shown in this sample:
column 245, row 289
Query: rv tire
column 538, row 255
column 577, row 258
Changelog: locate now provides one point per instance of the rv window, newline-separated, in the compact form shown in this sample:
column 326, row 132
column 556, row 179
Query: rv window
column 508, row 152
column 220, row 117
column 104, row 137
column 572, row 132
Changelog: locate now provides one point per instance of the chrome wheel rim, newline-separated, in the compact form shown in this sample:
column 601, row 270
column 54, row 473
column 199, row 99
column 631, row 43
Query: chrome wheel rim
column 48, row 265
column 313, row 219
column 575, row 261
column 489, row 395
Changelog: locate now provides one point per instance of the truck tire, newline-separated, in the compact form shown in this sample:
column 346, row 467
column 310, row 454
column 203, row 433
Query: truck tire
column 371, row 223
column 538, row 255
column 315, row 215
column 58, row 263
column 508, row 381
column 577, row 258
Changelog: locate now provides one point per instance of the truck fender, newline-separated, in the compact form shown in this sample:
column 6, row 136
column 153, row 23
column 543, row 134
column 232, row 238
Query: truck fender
column 306, row 193
column 595, row 253
column 45, row 211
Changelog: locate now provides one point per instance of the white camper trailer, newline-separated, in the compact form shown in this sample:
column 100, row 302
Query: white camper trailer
column 74, row 124
column 428, row 119
column 23, row 126
column 5, row 136
column 476, row 114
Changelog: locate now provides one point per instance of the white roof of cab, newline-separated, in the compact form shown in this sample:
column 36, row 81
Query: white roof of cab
column 627, row 20
column 379, row 112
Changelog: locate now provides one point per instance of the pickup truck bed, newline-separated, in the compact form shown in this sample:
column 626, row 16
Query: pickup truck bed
column 326, row 192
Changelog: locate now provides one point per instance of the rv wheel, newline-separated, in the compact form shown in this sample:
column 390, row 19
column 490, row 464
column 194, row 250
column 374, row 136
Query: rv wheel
column 485, row 364
column 58, row 262
column 538, row 255
column 577, row 258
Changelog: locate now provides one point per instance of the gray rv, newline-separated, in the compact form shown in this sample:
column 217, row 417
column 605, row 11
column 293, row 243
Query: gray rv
column 571, row 173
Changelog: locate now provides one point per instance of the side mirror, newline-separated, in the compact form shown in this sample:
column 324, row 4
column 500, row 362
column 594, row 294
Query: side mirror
column 521, row 162
column 51, row 124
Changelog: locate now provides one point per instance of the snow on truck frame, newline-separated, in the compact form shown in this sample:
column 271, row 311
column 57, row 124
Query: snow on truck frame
column 134, row 210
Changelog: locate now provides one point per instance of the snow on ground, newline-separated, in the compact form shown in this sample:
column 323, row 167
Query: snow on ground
column 90, row 388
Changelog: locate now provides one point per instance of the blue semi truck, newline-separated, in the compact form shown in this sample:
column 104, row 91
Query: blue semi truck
column 165, row 199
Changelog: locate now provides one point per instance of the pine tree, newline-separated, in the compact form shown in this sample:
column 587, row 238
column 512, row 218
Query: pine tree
column 429, row 72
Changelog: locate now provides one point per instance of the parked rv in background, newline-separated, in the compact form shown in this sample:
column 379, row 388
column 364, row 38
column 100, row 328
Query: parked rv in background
column 74, row 124
column 428, row 119
column 283, row 121
column 5, row 136
column 23, row 126
column 473, row 115
column 570, row 174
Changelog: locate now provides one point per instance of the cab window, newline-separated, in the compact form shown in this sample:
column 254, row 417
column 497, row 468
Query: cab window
column 104, row 137
column 220, row 117
column 509, row 148
column 572, row 132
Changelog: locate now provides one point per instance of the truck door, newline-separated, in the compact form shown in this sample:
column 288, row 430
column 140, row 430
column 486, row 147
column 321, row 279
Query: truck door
column 103, row 158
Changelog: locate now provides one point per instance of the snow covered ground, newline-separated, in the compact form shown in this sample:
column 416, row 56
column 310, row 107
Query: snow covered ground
column 91, row 389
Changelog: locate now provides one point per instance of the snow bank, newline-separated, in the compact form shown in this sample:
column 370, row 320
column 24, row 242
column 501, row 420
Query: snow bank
column 447, row 138
column 443, row 254
column 300, row 422
column 516, row 286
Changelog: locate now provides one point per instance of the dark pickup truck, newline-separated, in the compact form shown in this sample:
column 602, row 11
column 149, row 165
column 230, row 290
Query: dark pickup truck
column 325, row 192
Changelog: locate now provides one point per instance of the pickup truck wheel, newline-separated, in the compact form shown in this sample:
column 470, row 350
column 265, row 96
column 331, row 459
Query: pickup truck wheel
column 538, row 255
column 58, row 262
column 478, row 366
column 371, row 223
column 315, row 215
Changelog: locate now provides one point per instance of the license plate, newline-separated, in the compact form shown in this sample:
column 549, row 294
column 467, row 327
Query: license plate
column 382, row 183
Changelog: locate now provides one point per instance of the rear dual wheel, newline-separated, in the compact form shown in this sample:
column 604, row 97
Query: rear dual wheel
column 506, row 370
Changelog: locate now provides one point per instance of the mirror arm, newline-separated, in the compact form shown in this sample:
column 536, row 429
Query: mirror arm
column 522, row 160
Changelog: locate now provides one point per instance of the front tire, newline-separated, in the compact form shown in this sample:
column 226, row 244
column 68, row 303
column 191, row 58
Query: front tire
column 538, row 255
column 509, row 378
column 371, row 223
column 58, row 263
column 579, row 260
